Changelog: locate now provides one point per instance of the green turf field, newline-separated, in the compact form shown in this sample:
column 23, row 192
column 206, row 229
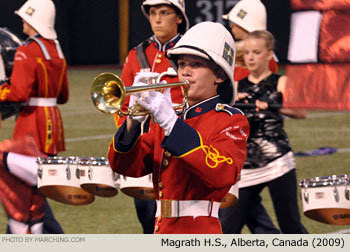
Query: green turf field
column 88, row 133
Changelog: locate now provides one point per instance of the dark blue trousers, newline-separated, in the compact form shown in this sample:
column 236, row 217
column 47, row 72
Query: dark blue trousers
column 283, row 193
column 146, row 212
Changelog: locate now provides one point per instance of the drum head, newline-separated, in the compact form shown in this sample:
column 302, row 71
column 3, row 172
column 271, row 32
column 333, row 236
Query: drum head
column 231, row 197
column 67, row 194
column 333, row 216
column 101, row 190
column 228, row 200
column 144, row 193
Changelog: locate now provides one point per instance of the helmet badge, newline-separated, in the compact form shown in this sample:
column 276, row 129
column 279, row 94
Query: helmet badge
column 228, row 54
column 30, row 11
column 241, row 14
column 181, row 2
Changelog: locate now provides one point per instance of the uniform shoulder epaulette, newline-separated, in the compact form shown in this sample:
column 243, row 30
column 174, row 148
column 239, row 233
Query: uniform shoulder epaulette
column 220, row 107
column 28, row 41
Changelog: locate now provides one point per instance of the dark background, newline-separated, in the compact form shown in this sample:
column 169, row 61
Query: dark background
column 88, row 30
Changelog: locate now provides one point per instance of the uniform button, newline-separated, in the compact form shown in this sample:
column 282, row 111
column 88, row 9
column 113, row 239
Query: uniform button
column 156, row 228
column 167, row 154
column 160, row 185
column 220, row 107
column 160, row 194
column 165, row 162
column 158, row 61
column 159, row 218
column 159, row 55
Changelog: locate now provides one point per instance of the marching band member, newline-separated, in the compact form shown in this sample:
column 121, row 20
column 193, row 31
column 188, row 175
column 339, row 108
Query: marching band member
column 245, row 17
column 39, row 78
column 168, row 21
column 196, row 156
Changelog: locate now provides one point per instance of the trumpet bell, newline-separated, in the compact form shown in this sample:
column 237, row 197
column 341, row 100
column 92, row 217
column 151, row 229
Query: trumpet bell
column 108, row 93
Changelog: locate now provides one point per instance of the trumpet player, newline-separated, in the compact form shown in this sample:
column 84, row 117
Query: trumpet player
column 195, row 156
column 168, row 22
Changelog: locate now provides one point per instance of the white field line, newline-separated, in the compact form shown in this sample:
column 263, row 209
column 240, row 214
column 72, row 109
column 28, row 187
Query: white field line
column 321, row 115
column 88, row 138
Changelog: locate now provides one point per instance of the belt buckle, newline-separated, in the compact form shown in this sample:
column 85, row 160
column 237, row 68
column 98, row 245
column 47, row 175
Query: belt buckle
column 166, row 208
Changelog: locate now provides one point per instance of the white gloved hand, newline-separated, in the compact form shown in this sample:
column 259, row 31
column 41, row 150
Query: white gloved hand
column 141, row 79
column 161, row 108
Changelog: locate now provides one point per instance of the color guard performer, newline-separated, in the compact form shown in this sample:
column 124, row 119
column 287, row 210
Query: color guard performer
column 196, row 156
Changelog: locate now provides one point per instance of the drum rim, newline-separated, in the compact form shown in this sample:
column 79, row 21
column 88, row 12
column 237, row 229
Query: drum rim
column 56, row 160
column 94, row 161
column 325, row 181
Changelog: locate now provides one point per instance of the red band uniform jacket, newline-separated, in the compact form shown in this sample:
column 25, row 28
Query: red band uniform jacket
column 39, row 71
column 36, row 75
column 200, row 160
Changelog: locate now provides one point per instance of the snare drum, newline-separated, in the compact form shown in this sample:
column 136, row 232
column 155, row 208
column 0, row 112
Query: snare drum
column 327, row 199
column 141, row 188
column 231, row 197
column 58, row 179
column 97, row 177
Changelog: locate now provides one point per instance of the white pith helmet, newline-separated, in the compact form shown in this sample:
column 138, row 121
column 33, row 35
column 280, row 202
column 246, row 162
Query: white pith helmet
column 40, row 14
column 213, row 42
column 178, row 4
column 248, row 14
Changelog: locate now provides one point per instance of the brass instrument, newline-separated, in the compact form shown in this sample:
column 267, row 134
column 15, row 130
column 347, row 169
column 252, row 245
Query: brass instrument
column 108, row 94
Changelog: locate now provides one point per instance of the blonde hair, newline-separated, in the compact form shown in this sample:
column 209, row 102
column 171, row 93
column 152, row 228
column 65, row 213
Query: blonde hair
column 265, row 35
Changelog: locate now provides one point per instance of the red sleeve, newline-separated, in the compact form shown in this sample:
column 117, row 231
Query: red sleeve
column 22, row 78
column 135, row 158
column 215, row 155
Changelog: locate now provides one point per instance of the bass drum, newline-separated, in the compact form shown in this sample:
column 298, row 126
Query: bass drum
column 8, row 45
column 327, row 199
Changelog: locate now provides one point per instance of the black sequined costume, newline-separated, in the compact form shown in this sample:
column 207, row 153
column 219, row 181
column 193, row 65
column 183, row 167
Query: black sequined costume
column 268, row 140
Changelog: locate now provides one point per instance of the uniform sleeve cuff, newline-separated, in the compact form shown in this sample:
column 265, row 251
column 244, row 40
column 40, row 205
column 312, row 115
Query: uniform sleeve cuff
column 123, row 144
column 182, row 139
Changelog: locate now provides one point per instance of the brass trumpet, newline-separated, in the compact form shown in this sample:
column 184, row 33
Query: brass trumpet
column 108, row 94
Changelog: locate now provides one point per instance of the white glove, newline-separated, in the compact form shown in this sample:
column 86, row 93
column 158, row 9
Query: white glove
column 161, row 108
column 141, row 79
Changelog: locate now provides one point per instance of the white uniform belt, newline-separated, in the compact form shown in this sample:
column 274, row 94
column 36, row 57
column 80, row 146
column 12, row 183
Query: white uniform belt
column 42, row 102
column 181, row 208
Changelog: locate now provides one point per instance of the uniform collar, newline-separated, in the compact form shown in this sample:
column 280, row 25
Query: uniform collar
column 29, row 39
column 200, row 108
column 167, row 45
